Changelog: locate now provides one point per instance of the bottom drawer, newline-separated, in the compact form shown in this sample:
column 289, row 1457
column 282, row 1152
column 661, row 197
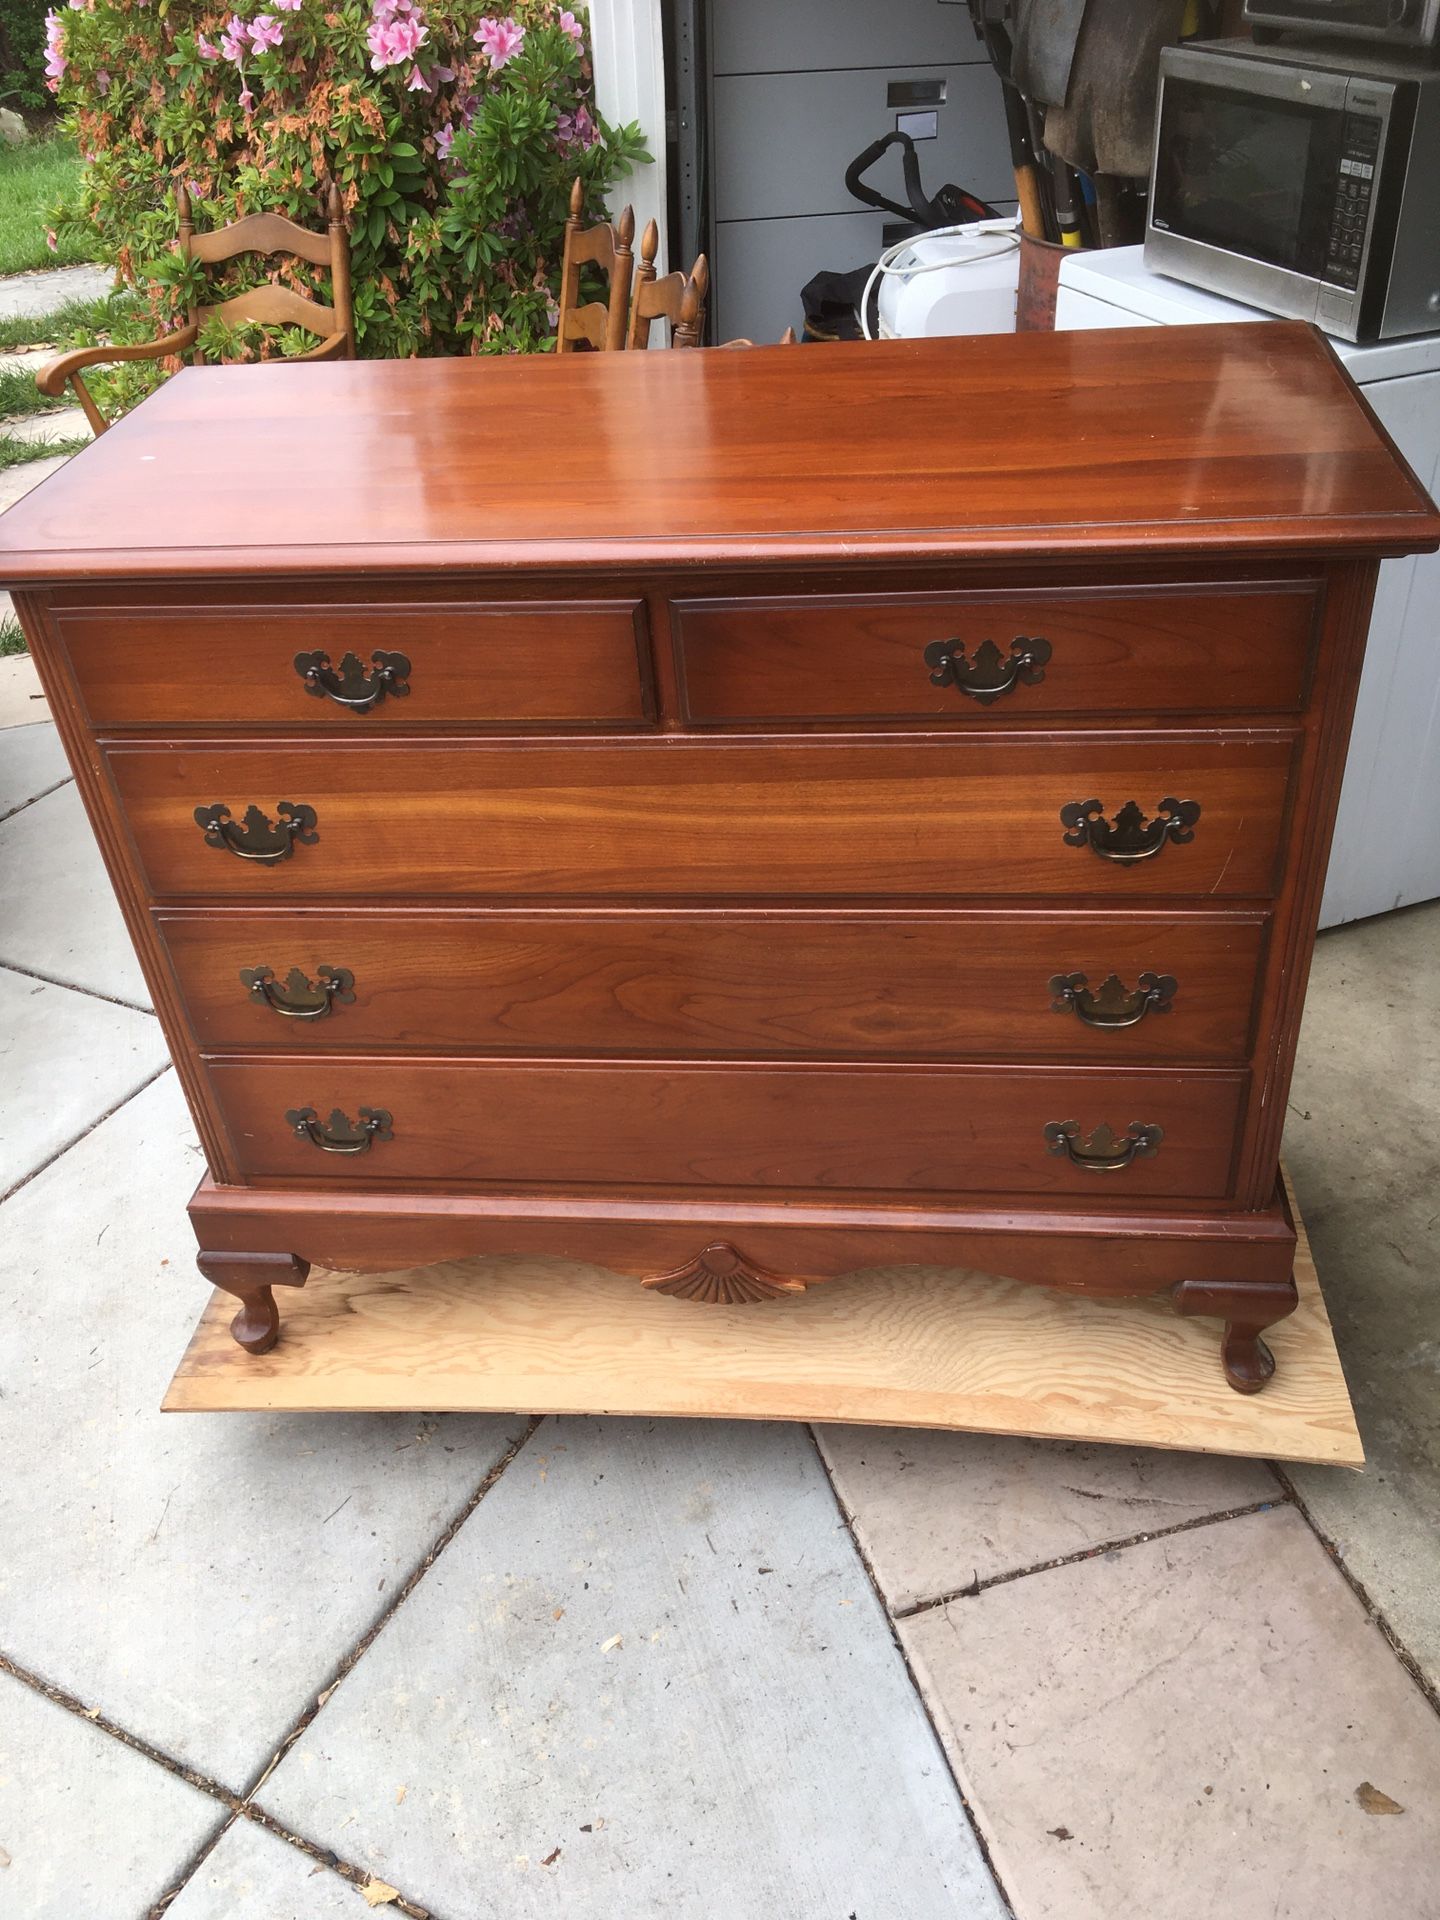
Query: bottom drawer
column 634, row 1125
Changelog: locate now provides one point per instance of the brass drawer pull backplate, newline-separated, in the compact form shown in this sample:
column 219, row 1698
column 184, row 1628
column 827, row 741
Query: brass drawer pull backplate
column 1113, row 1004
column 349, row 685
column 1105, row 1151
column 1130, row 836
column 340, row 1134
column 259, row 838
column 990, row 674
column 301, row 998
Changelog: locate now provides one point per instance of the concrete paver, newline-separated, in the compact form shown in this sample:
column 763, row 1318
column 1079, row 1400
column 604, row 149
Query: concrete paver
column 65, row 423
column 16, row 482
column 22, row 702
column 196, row 1576
column 90, row 1829
column 1181, row 1727
column 41, row 293
column 32, row 762
column 935, row 1510
column 253, row 1876
column 648, row 1677
column 58, row 915
column 1362, row 1145
column 65, row 1058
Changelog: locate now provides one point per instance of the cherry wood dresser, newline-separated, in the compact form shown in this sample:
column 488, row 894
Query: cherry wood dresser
column 732, row 817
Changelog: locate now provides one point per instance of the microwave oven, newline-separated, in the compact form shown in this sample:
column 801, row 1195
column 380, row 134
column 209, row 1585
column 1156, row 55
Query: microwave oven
column 1407, row 23
column 1302, row 181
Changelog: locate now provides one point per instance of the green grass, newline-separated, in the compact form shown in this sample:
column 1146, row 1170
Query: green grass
column 19, row 393
column 12, row 640
column 19, row 453
column 32, row 178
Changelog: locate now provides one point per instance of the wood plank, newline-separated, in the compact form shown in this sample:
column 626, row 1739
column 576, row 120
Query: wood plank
column 898, row 1346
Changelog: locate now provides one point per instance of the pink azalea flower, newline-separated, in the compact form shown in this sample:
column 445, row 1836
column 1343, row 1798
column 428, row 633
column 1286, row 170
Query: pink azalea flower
column 55, row 60
column 51, row 241
column 444, row 140
column 502, row 40
column 569, row 24
column 286, row 6
column 576, row 129
column 247, row 102
column 265, row 31
column 393, row 42
column 417, row 83
column 235, row 40
column 206, row 49
column 102, row 82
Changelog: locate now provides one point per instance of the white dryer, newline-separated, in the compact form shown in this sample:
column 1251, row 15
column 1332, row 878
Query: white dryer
column 1387, row 839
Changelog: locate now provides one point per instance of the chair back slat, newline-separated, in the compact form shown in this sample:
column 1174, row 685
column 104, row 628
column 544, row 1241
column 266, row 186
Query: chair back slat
column 261, row 233
column 597, row 324
column 273, row 306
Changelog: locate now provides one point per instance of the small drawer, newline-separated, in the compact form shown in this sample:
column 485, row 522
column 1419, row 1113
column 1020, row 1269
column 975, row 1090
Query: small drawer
column 742, row 1129
column 1138, row 988
column 315, row 668
column 1033, row 654
column 722, row 817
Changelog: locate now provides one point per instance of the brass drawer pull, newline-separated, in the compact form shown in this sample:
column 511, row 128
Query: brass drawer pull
column 1104, row 1151
column 349, row 686
column 1114, row 1005
column 989, row 674
column 260, row 838
column 340, row 1134
column 1130, row 836
column 301, row 998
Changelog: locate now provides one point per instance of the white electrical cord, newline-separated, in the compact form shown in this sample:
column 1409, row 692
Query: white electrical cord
column 889, row 262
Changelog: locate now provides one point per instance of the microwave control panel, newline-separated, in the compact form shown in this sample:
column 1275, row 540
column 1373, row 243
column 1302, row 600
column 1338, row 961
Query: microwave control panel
column 1359, row 161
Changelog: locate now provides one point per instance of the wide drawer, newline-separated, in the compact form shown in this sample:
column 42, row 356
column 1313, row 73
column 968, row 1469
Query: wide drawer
column 840, row 985
column 480, row 664
column 959, row 657
column 896, row 1130
column 719, row 817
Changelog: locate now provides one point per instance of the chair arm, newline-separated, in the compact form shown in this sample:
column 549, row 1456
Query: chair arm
column 52, row 379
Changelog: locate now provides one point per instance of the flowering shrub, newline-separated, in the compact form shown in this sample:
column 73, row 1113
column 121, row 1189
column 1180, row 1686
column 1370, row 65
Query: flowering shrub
column 22, row 53
column 454, row 137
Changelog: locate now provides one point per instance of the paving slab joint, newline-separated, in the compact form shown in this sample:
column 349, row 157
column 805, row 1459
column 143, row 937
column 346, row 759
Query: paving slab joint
column 1337, row 1559
column 54, row 980
column 349, row 1661
column 62, row 1697
column 1283, row 1499
column 11, row 812
column 85, row 1132
column 358, row 1877
column 977, row 1833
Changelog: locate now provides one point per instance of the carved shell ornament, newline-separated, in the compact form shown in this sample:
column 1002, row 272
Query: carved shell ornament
column 722, row 1277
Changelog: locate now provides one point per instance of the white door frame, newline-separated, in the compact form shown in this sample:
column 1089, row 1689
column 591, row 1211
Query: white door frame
column 628, row 50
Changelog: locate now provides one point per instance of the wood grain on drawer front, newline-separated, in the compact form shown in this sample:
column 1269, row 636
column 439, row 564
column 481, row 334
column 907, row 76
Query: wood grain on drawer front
column 892, row 984
column 1150, row 650
column 470, row 665
column 935, row 1130
column 722, row 817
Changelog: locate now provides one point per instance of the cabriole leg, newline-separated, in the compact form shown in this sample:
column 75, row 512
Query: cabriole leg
column 1247, row 1308
column 250, row 1277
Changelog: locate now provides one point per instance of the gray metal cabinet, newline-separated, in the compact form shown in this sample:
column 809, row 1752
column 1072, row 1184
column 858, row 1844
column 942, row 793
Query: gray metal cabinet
column 798, row 88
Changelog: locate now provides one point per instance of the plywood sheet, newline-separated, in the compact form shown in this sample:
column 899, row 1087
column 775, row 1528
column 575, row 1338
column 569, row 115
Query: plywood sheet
column 899, row 1346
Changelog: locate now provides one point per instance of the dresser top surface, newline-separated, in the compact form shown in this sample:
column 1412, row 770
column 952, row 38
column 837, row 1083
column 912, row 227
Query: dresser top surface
column 1127, row 442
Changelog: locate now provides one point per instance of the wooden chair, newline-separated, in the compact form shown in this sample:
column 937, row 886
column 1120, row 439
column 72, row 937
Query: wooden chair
column 679, row 297
column 600, row 325
column 268, row 305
